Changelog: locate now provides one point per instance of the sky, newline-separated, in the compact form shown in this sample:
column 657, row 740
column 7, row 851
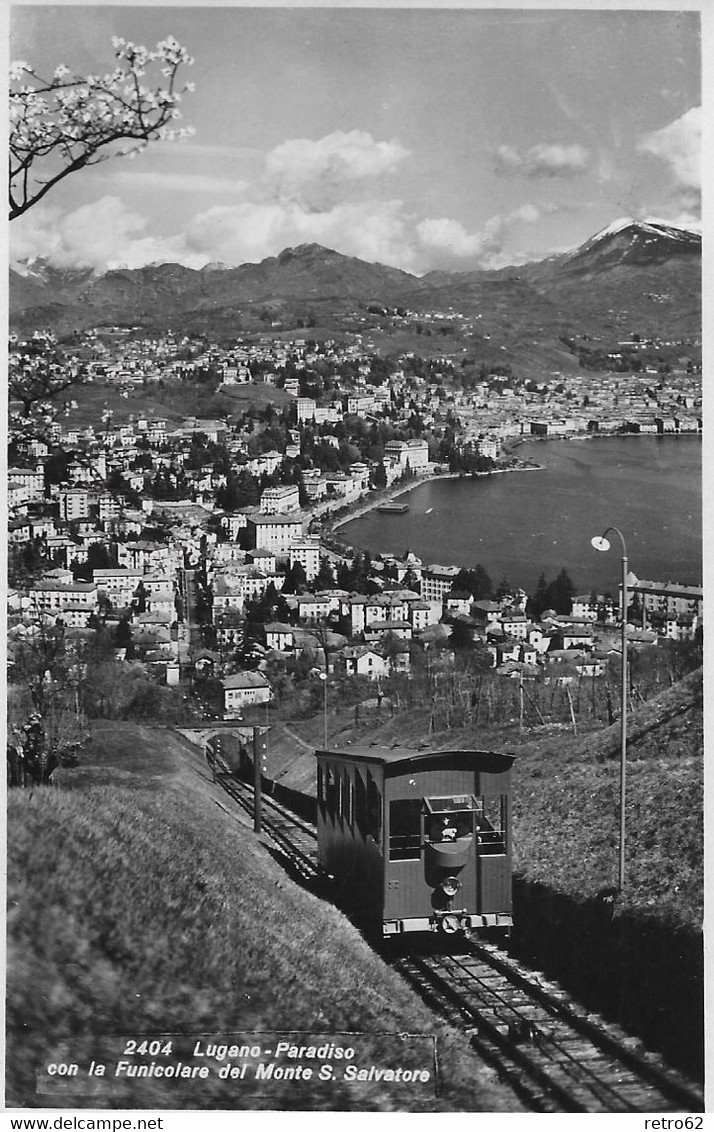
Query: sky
column 422, row 138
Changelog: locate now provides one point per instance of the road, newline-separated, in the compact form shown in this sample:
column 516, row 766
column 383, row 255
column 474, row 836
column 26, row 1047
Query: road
column 192, row 640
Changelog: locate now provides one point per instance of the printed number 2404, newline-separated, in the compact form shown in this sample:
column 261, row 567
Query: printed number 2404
column 153, row 1048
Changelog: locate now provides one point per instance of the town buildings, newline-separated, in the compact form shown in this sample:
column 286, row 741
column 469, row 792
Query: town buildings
column 111, row 516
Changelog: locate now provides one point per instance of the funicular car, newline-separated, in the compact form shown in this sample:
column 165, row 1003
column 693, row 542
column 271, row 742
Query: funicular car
column 418, row 840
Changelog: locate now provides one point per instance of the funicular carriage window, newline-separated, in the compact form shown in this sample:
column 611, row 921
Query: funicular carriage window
column 374, row 808
column 405, row 829
column 330, row 791
column 491, row 824
column 360, row 804
column 320, row 786
column 449, row 818
column 349, row 798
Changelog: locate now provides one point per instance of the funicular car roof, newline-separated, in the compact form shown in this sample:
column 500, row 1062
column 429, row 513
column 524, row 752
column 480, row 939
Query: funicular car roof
column 411, row 758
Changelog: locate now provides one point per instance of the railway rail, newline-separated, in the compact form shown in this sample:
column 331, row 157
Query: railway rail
column 556, row 1056
column 295, row 838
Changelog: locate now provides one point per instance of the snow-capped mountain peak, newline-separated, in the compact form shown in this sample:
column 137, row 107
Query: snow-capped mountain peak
column 633, row 242
column 650, row 226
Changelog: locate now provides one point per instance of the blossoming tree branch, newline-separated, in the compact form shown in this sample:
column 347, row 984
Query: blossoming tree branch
column 61, row 124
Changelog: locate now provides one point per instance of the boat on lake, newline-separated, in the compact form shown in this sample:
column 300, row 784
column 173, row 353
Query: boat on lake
column 393, row 508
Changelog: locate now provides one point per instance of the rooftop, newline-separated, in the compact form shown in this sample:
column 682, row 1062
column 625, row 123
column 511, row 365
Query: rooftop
column 245, row 680
column 391, row 756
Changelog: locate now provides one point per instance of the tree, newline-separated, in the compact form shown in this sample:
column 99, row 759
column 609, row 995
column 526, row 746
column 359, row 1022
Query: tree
column 41, row 661
column 503, row 589
column 123, row 638
column 53, row 672
column 462, row 636
column 476, row 582
column 538, row 602
column 26, row 562
column 391, row 647
column 482, row 586
column 357, row 576
column 35, row 757
column 325, row 578
column 36, row 383
column 139, row 598
column 379, row 475
column 561, row 593
column 344, row 575
column 557, row 595
column 295, row 579
column 124, row 690
column 326, row 642
column 411, row 582
column 99, row 557
column 60, row 124
column 271, row 606
column 240, row 490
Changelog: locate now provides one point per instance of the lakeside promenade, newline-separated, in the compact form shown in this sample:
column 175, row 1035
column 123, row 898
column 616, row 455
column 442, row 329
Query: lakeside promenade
column 392, row 493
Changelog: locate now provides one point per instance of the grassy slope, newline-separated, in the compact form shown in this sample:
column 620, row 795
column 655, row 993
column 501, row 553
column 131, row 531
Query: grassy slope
column 139, row 904
column 577, row 785
column 176, row 401
column 566, row 787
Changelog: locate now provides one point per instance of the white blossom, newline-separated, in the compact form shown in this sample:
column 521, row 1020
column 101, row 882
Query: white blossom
column 89, row 111
column 18, row 69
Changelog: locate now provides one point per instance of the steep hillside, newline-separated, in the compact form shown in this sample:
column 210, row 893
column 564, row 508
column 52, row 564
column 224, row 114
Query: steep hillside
column 631, row 277
column 566, row 790
column 140, row 903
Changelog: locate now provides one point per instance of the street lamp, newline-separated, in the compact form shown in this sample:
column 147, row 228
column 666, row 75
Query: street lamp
column 323, row 677
column 602, row 543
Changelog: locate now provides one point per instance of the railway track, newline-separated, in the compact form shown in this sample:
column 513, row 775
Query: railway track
column 554, row 1054
column 295, row 838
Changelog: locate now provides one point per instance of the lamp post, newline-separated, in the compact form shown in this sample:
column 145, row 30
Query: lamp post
column 323, row 677
column 601, row 543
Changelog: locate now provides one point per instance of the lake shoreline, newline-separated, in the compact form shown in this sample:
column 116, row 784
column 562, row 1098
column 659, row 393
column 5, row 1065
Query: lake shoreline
column 390, row 494
column 580, row 436
column 402, row 489
column 522, row 527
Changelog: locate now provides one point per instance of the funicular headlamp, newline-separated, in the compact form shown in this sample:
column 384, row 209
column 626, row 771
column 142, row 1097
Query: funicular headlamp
column 450, row 886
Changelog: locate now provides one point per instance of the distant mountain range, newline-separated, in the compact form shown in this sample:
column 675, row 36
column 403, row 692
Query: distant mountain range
column 634, row 276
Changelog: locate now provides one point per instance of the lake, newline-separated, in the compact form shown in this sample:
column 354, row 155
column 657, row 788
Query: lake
column 522, row 524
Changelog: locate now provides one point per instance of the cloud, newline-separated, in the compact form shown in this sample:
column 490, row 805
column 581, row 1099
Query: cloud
column 317, row 175
column 543, row 161
column 371, row 230
column 326, row 191
column 331, row 191
column 178, row 147
column 102, row 235
column 35, row 234
column 679, row 145
column 528, row 213
column 448, row 238
column 447, row 241
column 107, row 235
column 178, row 182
